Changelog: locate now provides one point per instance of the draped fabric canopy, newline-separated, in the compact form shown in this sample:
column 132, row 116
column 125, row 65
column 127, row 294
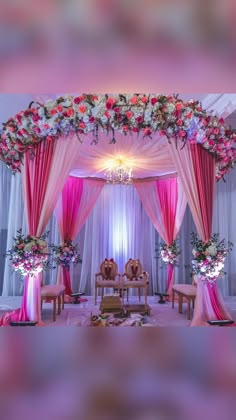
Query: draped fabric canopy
column 73, row 208
column 165, row 202
column 147, row 156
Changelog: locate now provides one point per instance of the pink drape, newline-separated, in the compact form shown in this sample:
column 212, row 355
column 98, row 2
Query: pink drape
column 196, row 169
column 165, row 203
column 43, row 178
column 73, row 208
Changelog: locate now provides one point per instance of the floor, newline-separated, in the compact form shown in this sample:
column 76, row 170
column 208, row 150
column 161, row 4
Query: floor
column 79, row 315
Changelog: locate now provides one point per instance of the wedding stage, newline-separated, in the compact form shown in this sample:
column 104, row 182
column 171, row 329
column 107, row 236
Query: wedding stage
column 79, row 315
column 121, row 175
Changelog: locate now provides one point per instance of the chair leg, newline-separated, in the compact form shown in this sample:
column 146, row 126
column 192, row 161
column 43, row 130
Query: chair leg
column 41, row 305
column 139, row 294
column 62, row 300
column 127, row 295
column 54, row 309
column 95, row 295
column 102, row 293
column 59, row 305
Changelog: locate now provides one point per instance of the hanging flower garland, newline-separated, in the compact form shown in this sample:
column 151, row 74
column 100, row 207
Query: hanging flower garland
column 137, row 113
column 169, row 253
column 209, row 257
column 66, row 253
column 29, row 254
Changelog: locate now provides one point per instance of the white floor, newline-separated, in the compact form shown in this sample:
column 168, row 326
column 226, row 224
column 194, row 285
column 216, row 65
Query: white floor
column 79, row 315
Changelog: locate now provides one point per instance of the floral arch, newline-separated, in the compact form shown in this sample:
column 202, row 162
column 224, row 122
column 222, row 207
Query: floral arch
column 138, row 114
column 43, row 141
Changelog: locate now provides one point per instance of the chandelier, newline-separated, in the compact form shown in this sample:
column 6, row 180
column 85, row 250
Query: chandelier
column 119, row 174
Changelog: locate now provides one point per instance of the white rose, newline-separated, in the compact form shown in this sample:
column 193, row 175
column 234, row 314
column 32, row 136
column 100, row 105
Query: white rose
column 194, row 252
column 29, row 245
column 212, row 250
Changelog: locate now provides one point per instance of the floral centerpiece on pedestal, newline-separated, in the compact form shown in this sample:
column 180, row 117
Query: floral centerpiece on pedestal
column 209, row 257
column 29, row 254
column 66, row 253
column 169, row 253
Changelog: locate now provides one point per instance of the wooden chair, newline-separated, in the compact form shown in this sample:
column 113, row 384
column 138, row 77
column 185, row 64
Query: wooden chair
column 134, row 277
column 108, row 277
column 56, row 293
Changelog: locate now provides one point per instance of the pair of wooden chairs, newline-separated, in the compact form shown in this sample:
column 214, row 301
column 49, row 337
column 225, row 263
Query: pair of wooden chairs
column 133, row 277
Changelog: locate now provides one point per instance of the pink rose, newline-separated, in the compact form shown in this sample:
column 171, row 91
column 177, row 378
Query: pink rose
column 82, row 109
column 179, row 106
column 129, row 114
column 134, row 100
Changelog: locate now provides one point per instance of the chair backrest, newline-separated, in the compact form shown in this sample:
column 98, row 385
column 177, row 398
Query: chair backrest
column 133, row 269
column 109, row 269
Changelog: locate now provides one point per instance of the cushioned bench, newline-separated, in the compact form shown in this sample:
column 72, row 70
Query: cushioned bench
column 56, row 293
column 187, row 291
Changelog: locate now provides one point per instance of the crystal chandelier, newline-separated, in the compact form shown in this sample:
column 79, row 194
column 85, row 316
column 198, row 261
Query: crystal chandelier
column 119, row 175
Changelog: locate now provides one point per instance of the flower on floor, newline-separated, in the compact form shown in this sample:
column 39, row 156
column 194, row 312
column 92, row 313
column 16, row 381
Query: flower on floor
column 29, row 254
column 66, row 253
column 209, row 257
column 169, row 253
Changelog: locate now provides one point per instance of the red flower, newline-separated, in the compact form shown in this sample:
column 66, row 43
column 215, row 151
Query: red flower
column 59, row 108
column 139, row 119
column 179, row 106
column 91, row 119
column 107, row 114
column 70, row 112
column 135, row 129
column 129, row 114
column 53, row 111
column 154, row 101
column 125, row 128
column 82, row 125
column 134, row 100
column 77, row 100
column 182, row 133
column 179, row 122
column 110, row 102
column 82, row 109
column 144, row 99
column 147, row 131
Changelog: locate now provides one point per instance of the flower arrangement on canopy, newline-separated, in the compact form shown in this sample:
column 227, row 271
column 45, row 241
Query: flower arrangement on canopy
column 169, row 253
column 209, row 257
column 66, row 253
column 29, row 254
column 133, row 113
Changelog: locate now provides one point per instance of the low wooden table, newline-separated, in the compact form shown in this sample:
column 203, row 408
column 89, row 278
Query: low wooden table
column 187, row 291
column 137, row 308
column 111, row 304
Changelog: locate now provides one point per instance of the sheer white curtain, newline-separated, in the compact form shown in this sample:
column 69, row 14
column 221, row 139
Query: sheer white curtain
column 117, row 228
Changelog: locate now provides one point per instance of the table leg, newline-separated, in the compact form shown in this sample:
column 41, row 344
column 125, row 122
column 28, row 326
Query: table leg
column 180, row 304
column 173, row 298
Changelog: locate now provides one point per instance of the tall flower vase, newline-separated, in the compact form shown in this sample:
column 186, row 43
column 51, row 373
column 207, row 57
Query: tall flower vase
column 170, row 279
column 32, row 296
column 209, row 304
